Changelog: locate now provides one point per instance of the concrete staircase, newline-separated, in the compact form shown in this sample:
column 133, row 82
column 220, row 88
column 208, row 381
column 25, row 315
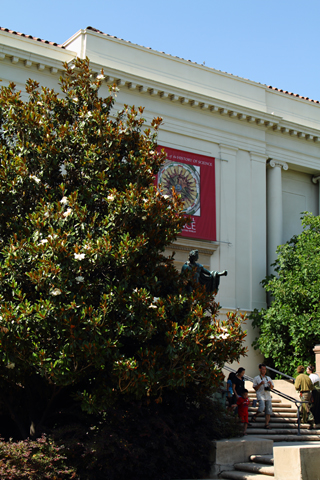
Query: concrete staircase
column 283, row 423
column 260, row 467
column 235, row 460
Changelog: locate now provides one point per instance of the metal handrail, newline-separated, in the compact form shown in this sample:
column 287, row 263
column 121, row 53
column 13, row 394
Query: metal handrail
column 298, row 403
column 281, row 373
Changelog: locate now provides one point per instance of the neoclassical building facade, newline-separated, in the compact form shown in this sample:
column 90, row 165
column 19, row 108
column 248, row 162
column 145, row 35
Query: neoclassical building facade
column 248, row 153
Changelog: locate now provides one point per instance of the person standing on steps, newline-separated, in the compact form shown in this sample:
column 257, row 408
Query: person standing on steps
column 243, row 403
column 238, row 384
column 263, row 385
column 314, row 416
column 229, row 391
column 304, row 387
column 314, row 377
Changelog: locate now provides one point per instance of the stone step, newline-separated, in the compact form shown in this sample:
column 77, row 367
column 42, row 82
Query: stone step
column 255, row 468
column 291, row 438
column 281, row 405
column 265, row 459
column 278, row 419
column 236, row 475
column 252, row 396
column 277, row 425
column 282, row 431
column 280, row 415
column 276, row 409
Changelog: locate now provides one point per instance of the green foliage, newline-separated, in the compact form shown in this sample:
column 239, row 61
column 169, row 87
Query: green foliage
column 89, row 305
column 34, row 460
column 290, row 328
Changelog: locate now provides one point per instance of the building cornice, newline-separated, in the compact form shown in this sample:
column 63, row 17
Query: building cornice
column 28, row 58
column 271, row 123
column 274, row 124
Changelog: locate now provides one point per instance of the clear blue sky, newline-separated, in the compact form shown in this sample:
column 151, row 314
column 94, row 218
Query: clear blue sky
column 273, row 42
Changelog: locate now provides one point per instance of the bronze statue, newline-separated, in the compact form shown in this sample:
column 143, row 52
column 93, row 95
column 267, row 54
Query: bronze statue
column 211, row 280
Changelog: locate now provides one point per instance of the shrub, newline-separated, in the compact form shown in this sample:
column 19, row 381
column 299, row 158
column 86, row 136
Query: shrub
column 148, row 440
column 34, row 460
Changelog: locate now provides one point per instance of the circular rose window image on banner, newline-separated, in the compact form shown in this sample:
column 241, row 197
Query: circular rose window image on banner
column 186, row 181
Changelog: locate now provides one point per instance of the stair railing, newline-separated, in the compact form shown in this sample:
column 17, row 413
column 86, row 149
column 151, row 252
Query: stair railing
column 298, row 403
column 281, row 373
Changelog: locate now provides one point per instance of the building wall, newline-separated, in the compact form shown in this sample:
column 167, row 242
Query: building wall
column 260, row 138
column 299, row 194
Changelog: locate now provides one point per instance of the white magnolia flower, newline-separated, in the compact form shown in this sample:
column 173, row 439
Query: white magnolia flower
column 75, row 99
column 110, row 197
column 67, row 212
column 79, row 256
column 44, row 241
column 156, row 299
column 144, row 218
column 46, row 214
column 152, row 306
column 63, row 170
column 11, row 365
column 166, row 197
column 55, row 292
column 64, row 200
column 52, row 236
column 101, row 77
column 87, row 247
column 80, row 279
column 36, row 179
column 224, row 336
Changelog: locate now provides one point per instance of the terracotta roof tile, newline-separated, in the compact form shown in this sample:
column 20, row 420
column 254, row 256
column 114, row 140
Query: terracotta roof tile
column 37, row 39
column 293, row 94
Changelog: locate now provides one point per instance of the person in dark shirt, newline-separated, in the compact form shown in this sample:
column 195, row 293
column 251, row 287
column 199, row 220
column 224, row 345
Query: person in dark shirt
column 238, row 384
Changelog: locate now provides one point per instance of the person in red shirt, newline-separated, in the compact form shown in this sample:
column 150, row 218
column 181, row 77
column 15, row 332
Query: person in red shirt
column 243, row 403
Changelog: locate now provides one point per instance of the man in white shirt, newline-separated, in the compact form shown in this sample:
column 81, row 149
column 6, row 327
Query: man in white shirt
column 263, row 386
column 314, row 377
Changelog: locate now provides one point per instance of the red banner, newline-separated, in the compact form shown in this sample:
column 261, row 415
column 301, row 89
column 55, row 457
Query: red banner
column 193, row 177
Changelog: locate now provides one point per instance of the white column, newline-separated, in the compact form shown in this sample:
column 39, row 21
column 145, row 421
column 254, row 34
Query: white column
column 274, row 209
column 258, row 246
column 227, row 224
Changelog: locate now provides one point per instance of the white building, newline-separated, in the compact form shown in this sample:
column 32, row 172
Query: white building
column 263, row 145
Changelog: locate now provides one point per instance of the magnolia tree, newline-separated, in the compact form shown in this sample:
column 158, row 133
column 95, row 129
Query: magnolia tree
column 90, row 308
